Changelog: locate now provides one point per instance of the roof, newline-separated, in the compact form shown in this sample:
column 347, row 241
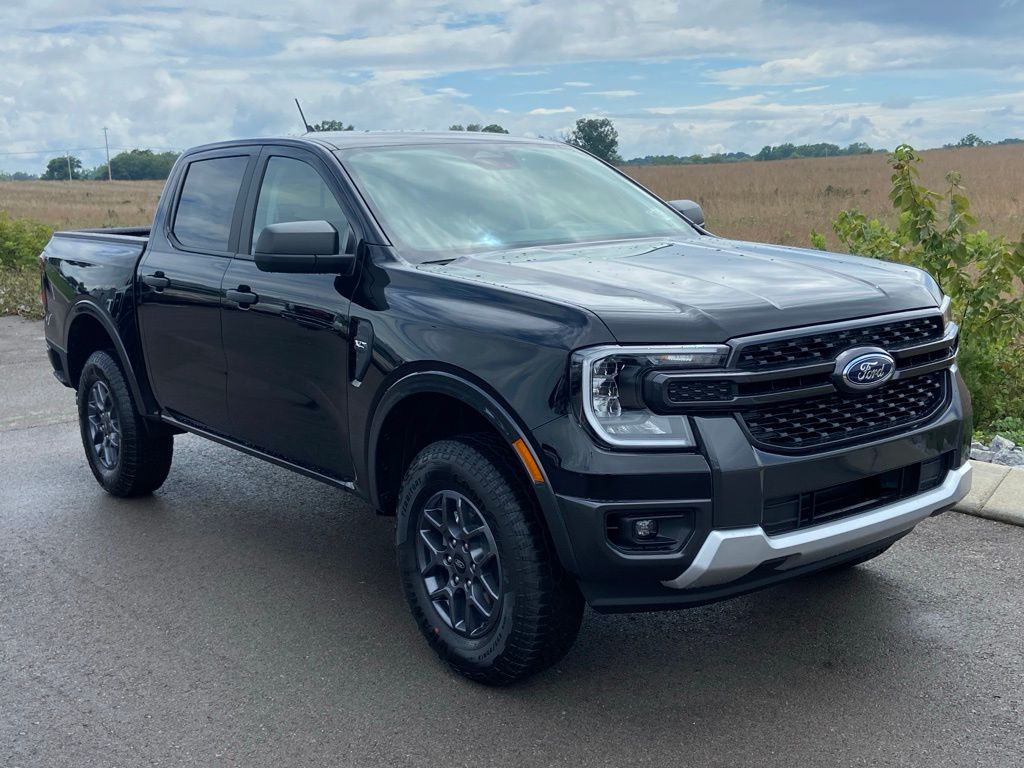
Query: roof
column 350, row 139
column 330, row 141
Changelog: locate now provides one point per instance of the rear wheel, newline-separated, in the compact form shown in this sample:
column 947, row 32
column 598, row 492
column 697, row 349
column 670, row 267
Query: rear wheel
column 126, row 456
column 478, row 570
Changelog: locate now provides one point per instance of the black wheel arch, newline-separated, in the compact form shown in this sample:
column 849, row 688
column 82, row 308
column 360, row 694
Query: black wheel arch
column 489, row 406
column 86, row 310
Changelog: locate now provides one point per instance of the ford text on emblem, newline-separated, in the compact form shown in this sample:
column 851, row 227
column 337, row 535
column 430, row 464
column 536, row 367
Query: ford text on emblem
column 865, row 368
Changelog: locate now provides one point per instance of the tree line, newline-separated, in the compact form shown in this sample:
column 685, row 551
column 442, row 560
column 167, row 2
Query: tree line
column 130, row 165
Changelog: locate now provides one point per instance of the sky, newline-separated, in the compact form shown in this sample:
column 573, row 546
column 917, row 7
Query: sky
column 675, row 77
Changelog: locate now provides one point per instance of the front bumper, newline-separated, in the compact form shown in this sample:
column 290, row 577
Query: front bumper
column 726, row 490
column 732, row 554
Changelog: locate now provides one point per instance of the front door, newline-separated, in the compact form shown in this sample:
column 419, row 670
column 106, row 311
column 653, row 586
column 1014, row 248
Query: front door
column 179, row 286
column 286, row 335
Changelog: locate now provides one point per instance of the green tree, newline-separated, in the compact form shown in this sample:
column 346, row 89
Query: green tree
column 972, row 140
column 478, row 128
column 598, row 137
column 332, row 125
column 137, row 164
column 57, row 169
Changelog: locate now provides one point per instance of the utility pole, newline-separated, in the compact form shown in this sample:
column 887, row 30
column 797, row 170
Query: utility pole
column 67, row 156
column 110, row 174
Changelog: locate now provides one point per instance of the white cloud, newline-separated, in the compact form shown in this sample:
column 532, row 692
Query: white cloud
column 172, row 74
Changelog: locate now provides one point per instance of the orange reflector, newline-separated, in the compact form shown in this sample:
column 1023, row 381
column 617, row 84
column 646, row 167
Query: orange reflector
column 526, row 456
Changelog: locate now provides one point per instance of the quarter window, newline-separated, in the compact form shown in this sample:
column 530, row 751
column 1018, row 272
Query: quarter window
column 293, row 190
column 207, row 203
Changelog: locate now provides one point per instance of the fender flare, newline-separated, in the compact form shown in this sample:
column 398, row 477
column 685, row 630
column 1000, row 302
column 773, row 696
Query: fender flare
column 497, row 414
column 92, row 310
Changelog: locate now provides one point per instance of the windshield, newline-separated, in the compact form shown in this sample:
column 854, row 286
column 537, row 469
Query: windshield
column 436, row 200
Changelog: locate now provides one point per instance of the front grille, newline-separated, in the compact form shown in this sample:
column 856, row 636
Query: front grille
column 800, row 510
column 840, row 418
column 823, row 347
column 699, row 390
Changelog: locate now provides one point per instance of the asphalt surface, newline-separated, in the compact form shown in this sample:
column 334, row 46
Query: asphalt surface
column 246, row 616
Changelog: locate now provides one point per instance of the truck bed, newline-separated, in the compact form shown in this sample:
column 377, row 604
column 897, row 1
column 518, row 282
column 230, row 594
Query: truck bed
column 90, row 272
column 118, row 233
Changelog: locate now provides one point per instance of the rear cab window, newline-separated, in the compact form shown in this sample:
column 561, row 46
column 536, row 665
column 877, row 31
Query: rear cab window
column 207, row 203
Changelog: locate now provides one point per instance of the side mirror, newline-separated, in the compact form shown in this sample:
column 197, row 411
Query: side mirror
column 690, row 210
column 309, row 247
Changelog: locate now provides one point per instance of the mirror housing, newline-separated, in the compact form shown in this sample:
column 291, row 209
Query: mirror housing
column 690, row 210
column 309, row 247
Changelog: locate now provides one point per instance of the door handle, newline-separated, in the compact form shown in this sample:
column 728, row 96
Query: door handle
column 242, row 296
column 157, row 281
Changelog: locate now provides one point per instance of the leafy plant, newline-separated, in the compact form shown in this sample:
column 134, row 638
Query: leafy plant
column 982, row 275
column 21, row 241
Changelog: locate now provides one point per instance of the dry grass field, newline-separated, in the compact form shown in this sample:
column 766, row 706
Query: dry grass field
column 64, row 204
column 782, row 201
column 777, row 202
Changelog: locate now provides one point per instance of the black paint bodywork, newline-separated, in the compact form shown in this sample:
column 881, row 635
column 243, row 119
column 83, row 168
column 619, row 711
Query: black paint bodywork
column 282, row 379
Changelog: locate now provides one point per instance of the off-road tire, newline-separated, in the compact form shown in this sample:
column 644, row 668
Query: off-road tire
column 144, row 452
column 540, row 607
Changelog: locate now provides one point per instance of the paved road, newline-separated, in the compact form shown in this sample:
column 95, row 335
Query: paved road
column 245, row 616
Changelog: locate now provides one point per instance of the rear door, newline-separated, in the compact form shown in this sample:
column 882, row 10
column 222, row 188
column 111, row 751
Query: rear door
column 179, row 285
column 286, row 335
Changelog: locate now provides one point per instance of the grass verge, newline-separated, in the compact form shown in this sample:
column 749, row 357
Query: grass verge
column 19, row 292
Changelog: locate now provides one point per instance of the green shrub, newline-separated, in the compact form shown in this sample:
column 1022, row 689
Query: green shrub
column 982, row 275
column 1010, row 427
column 21, row 241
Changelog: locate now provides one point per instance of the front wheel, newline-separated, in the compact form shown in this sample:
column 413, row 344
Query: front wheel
column 478, row 570
column 127, row 456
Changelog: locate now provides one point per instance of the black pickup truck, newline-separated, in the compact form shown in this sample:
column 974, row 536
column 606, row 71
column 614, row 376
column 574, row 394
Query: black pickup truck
column 566, row 390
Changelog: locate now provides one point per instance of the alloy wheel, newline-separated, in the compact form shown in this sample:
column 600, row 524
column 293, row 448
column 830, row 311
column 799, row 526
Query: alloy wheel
column 104, row 427
column 458, row 562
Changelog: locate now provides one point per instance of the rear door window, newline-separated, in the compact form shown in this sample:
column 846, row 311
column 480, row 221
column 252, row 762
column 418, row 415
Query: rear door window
column 207, row 203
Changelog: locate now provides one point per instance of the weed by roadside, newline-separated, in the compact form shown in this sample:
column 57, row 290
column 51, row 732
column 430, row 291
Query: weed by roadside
column 19, row 292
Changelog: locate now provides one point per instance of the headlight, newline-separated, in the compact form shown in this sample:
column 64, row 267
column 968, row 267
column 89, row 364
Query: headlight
column 610, row 386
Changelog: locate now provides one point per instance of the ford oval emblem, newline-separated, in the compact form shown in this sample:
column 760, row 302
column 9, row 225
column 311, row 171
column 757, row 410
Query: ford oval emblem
column 861, row 369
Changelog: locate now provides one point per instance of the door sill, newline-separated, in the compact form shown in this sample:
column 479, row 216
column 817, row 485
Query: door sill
column 216, row 437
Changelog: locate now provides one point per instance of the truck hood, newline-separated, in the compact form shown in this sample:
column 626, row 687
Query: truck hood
column 706, row 290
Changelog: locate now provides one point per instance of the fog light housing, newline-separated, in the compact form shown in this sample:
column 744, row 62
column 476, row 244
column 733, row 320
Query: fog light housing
column 645, row 528
column 643, row 531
